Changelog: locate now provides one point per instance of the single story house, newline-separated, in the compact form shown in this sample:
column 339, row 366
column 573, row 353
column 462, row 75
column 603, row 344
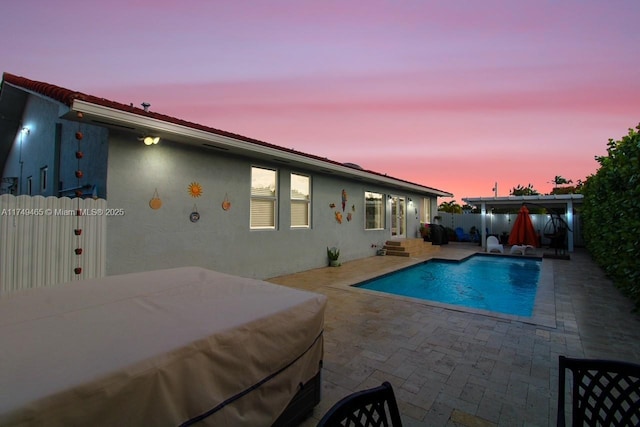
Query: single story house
column 184, row 194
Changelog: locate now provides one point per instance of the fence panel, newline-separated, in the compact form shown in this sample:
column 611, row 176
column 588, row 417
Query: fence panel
column 503, row 223
column 38, row 241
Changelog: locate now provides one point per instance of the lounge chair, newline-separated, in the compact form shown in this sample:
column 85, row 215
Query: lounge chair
column 494, row 245
column 521, row 249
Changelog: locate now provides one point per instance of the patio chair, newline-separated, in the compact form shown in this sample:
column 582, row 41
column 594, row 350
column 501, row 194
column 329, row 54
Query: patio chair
column 521, row 249
column 604, row 392
column 494, row 245
column 462, row 236
column 373, row 407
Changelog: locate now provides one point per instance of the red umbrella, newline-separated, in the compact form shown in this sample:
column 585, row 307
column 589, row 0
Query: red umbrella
column 523, row 232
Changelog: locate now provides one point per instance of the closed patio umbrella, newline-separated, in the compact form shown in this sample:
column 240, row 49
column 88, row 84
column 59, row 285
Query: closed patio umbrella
column 523, row 232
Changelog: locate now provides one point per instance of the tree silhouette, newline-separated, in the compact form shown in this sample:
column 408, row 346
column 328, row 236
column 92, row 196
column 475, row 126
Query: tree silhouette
column 450, row 207
column 560, row 180
column 524, row 191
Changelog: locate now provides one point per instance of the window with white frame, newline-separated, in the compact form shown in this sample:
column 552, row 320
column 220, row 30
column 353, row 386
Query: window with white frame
column 374, row 210
column 300, row 201
column 264, row 198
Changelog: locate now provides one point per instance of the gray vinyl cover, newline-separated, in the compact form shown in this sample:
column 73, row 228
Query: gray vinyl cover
column 156, row 348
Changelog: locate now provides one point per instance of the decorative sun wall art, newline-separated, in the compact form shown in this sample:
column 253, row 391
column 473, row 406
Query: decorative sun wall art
column 195, row 189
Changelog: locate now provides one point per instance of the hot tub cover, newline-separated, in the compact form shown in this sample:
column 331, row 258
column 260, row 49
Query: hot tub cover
column 166, row 347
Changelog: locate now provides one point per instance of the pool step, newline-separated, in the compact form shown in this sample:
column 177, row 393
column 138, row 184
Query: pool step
column 409, row 247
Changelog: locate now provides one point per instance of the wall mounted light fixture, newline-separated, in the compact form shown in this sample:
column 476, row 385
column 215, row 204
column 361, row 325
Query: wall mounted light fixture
column 150, row 140
column 25, row 131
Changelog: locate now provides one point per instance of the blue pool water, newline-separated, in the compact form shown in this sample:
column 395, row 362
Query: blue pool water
column 501, row 284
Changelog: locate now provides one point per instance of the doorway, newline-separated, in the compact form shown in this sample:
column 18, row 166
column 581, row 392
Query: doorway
column 398, row 217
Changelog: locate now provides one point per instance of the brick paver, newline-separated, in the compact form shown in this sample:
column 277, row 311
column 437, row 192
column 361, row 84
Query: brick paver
column 457, row 368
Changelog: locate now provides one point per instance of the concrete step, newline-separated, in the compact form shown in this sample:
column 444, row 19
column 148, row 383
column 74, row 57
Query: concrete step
column 409, row 247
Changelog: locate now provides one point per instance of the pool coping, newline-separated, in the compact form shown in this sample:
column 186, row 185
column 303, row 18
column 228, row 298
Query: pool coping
column 544, row 309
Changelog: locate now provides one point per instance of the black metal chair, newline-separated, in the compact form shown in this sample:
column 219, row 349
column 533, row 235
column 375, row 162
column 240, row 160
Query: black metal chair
column 604, row 392
column 376, row 407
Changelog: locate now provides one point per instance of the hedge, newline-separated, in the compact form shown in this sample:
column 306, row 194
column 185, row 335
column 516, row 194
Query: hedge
column 611, row 214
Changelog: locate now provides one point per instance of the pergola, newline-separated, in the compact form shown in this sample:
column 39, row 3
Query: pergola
column 567, row 202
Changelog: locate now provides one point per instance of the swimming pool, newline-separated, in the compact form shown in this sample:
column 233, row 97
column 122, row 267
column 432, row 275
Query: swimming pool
column 500, row 284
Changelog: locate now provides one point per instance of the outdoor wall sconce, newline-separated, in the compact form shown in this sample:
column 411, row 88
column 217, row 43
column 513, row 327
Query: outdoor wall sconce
column 151, row 140
column 25, row 131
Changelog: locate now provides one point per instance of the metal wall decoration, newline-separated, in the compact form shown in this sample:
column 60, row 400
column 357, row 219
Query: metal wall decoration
column 79, row 174
column 195, row 215
column 226, row 204
column 337, row 213
column 155, row 202
column 195, row 190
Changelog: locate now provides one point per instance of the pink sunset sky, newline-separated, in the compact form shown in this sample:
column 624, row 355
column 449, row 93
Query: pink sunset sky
column 454, row 94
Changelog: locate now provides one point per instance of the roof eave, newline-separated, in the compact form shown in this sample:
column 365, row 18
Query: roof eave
column 189, row 135
column 506, row 201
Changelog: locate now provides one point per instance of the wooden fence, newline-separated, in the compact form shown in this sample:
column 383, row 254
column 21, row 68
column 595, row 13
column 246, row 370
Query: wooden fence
column 43, row 241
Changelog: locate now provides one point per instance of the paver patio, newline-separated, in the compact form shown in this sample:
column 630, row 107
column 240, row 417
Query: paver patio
column 452, row 367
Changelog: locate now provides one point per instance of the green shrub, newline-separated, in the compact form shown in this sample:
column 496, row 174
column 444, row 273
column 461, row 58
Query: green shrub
column 611, row 214
column 333, row 253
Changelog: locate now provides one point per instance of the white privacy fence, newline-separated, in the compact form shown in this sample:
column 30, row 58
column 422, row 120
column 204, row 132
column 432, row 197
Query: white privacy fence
column 503, row 223
column 43, row 241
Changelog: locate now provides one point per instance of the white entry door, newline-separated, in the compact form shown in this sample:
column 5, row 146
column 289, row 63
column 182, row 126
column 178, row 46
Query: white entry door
column 398, row 217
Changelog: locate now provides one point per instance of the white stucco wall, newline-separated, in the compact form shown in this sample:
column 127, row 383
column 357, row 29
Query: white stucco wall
column 146, row 239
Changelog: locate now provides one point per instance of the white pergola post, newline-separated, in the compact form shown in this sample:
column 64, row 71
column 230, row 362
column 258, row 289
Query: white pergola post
column 570, row 224
column 483, row 225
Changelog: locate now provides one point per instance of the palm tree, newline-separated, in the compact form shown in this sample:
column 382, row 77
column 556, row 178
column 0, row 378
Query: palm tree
column 450, row 207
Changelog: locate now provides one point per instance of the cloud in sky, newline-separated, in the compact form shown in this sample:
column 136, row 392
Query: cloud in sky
column 455, row 95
